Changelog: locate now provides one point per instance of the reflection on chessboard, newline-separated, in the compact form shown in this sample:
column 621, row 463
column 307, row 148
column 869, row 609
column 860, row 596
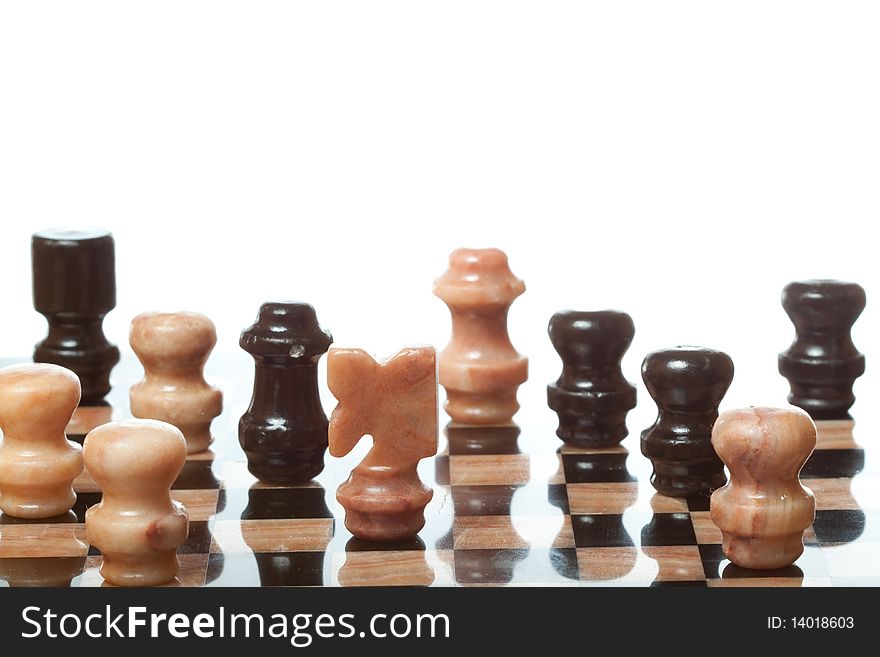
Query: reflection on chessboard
column 510, row 507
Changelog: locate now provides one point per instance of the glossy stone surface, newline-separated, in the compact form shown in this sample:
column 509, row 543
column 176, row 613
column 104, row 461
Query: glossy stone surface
column 74, row 282
column 173, row 349
column 479, row 368
column 763, row 512
column 37, row 462
column 688, row 384
column 136, row 526
column 512, row 506
column 591, row 397
column 395, row 402
column 822, row 363
column 284, row 430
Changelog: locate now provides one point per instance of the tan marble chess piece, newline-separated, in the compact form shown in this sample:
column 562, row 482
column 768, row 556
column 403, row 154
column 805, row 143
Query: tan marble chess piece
column 480, row 369
column 37, row 462
column 136, row 526
column 173, row 348
column 395, row 402
column 763, row 512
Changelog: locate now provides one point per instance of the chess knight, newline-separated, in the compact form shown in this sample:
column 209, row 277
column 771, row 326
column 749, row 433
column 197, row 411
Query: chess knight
column 395, row 402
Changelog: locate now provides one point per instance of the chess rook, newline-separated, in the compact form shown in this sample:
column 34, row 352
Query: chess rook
column 74, row 281
column 136, row 526
column 688, row 384
column 284, row 431
column 822, row 363
column 173, row 348
column 395, row 402
column 591, row 396
column 480, row 369
column 763, row 512
column 37, row 462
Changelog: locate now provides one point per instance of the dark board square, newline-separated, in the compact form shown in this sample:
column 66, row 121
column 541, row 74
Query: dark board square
column 482, row 500
column 698, row 502
column 600, row 530
column 441, row 469
column 564, row 562
column 596, row 468
column 516, row 566
column 557, row 495
column 835, row 526
column 266, row 569
column 272, row 503
column 199, row 539
column 359, row 545
column 669, row 529
column 712, row 556
column 530, row 499
column 834, row 464
column 197, row 475
column 83, row 502
column 487, row 566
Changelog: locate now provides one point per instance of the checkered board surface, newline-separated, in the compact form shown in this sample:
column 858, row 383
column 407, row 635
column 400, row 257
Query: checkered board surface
column 511, row 506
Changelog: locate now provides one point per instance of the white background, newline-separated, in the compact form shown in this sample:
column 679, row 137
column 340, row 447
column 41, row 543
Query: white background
column 678, row 160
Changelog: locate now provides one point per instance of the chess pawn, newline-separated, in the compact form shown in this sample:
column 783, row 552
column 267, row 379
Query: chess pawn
column 173, row 348
column 688, row 384
column 136, row 525
column 591, row 396
column 763, row 512
column 37, row 462
column 74, row 280
column 284, row 430
column 395, row 402
column 480, row 369
column 822, row 363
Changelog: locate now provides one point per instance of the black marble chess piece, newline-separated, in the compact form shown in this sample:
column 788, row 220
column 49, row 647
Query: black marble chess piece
column 74, row 282
column 688, row 384
column 591, row 396
column 284, row 430
column 822, row 363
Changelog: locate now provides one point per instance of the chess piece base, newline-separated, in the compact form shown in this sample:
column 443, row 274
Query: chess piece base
column 383, row 512
column 592, row 431
column 191, row 411
column 30, row 501
column 684, row 479
column 763, row 553
column 287, row 467
column 39, row 486
column 484, row 409
column 823, row 402
column 141, row 570
column 93, row 367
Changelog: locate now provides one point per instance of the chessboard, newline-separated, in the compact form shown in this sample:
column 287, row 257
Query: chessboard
column 511, row 506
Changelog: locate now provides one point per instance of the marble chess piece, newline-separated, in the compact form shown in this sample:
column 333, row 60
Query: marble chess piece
column 136, row 525
column 37, row 462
